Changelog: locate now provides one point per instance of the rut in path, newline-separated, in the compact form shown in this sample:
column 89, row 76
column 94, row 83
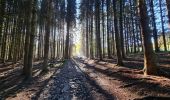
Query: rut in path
column 70, row 83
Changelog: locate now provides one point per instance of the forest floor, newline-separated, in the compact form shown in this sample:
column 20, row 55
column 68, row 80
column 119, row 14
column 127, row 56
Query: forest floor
column 128, row 82
column 86, row 79
column 13, row 85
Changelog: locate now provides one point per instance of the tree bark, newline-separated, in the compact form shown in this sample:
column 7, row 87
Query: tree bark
column 108, row 28
column 91, row 39
column 103, row 26
column 67, row 42
column 47, row 35
column 87, row 36
column 121, row 28
column 150, row 66
column 99, row 49
column 32, row 37
column 117, row 36
column 133, row 37
column 162, row 26
column 27, row 36
column 2, row 10
column 155, row 34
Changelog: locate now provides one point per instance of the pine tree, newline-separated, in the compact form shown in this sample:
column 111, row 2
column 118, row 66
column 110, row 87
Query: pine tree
column 150, row 66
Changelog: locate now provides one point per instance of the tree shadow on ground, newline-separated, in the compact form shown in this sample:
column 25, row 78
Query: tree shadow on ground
column 14, row 83
column 135, row 62
column 85, row 85
column 97, row 87
column 136, row 85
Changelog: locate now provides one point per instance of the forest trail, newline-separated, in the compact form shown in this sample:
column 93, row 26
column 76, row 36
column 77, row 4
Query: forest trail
column 70, row 83
column 85, row 50
column 123, row 82
column 86, row 79
column 104, row 81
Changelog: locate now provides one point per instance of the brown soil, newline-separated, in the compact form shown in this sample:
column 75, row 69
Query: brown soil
column 103, row 80
column 128, row 82
column 14, row 87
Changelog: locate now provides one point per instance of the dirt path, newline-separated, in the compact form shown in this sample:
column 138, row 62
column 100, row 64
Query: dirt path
column 125, row 83
column 79, row 79
column 109, row 84
column 70, row 83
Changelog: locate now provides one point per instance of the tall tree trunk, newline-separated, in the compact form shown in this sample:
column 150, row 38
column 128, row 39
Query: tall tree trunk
column 87, row 28
column 27, row 36
column 47, row 35
column 2, row 10
column 91, row 39
column 54, row 43
column 87, row 37
column 108, row 29
column 121, row 28
column 117, row 36
column 103, row 27
column 63, row 46
column 99, row 49
column 150, row 66
column 4, row 41
column 155, row 34
column 133, row 30
column 162, row 25
column 32, row 37
column 67, row 42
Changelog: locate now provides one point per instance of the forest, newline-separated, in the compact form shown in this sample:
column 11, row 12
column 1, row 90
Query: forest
column 84, row 49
